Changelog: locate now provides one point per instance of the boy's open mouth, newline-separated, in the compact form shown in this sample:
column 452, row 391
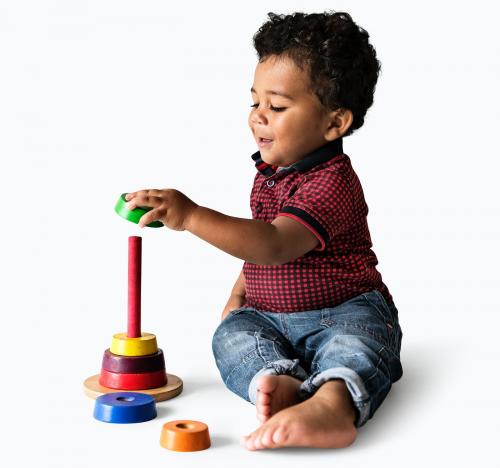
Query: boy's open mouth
column 264, row 141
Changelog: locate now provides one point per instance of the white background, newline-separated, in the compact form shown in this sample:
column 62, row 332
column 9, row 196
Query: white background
column 103, row 97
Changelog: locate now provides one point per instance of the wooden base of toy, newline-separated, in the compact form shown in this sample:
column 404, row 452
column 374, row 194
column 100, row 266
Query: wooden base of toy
column 94, row 389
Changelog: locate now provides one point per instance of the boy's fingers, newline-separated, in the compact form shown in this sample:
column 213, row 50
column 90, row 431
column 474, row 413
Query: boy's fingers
column 139, row 193
column 148, row 192
column 131, row 205
column 155, row 193
column 149, row 217
column 144, row 200
column 145, row 220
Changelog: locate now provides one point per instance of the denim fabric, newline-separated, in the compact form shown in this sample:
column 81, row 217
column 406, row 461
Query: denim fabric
column 358, row 341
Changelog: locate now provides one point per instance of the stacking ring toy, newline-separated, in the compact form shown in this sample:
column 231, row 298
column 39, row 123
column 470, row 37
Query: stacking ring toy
column 185, row 436
column 133, row 362
column 125, row 407
column 134, row 215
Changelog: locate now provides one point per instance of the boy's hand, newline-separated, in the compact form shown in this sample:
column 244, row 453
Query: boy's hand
column 234, row 302
column 170, row 207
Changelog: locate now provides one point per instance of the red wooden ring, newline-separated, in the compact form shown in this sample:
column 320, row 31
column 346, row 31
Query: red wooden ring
column 133, row 381
column 133, row 364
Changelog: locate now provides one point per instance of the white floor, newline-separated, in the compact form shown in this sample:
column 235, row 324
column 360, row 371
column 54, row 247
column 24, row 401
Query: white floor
column 442, row 411
column 102, row 97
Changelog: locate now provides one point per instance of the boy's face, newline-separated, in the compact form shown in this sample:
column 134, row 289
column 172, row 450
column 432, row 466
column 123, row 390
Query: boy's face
column 287, row 119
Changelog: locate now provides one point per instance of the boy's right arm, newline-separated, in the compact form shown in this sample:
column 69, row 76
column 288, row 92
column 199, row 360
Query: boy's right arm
column 237, row 298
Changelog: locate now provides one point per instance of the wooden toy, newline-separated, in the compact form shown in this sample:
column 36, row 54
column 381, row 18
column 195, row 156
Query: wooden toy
column 185, row 436
column 125, row 407
column 133, row 215
column 134, row 362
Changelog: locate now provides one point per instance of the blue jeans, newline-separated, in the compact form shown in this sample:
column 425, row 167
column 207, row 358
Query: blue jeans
column 358, row 341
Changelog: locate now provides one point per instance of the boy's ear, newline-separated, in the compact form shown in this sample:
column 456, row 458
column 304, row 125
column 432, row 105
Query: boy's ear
column 339, row 122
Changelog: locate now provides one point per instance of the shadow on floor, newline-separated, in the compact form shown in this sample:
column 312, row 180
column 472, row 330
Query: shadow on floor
column 421, row 370
column 197, row 384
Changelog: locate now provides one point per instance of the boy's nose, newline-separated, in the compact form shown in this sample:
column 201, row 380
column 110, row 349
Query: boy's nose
column 258, row 117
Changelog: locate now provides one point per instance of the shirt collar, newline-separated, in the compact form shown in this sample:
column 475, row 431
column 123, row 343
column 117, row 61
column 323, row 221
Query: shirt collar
column 318, row 156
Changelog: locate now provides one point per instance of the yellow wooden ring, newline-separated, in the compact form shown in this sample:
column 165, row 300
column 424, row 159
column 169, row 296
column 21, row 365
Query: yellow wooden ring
column 143, row 345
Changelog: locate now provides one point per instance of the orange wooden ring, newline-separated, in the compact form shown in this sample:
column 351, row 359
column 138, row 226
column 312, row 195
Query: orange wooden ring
column 133, row 381
column 185, row 435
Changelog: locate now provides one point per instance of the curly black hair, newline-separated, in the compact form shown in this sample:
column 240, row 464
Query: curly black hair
column 342, row 64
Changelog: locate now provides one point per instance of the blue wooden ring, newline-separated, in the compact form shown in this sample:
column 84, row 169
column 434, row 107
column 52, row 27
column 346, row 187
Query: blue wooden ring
column 125, row 407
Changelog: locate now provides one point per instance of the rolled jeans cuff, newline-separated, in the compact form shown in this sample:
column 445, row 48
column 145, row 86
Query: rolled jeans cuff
column 354, row 384
column 282, row 366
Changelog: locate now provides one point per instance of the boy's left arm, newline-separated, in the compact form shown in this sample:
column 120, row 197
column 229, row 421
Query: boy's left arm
column 252, row 240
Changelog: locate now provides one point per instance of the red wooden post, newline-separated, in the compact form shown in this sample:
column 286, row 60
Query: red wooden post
column 134, row 286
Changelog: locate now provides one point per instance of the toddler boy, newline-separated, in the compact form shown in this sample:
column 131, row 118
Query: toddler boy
column 310, row 333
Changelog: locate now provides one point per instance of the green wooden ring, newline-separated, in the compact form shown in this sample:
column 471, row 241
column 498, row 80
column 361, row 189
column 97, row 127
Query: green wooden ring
column 133, row 215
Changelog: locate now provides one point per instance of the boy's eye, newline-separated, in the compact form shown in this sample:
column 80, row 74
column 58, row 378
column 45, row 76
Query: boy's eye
column 274, row 109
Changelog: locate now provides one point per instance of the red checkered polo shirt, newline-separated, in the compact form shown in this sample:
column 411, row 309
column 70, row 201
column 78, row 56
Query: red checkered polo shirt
column 322, row 192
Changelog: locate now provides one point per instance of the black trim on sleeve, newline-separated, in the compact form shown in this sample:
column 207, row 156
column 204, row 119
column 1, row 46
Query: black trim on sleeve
column 309, row 220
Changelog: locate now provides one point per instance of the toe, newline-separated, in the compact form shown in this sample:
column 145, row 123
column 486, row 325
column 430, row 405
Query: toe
column 247, row 442
column 257, row 439
column 279, row 436
column 263, row 398
column 263, row 417
column 264, row 409
column 257, row 443
column 267, row 383
column 267, row 437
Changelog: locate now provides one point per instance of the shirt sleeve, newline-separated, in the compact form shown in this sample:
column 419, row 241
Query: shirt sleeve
column 323, row 203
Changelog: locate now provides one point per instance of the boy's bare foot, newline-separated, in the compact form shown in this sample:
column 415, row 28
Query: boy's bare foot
column 326, row 420
column 274, row 393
